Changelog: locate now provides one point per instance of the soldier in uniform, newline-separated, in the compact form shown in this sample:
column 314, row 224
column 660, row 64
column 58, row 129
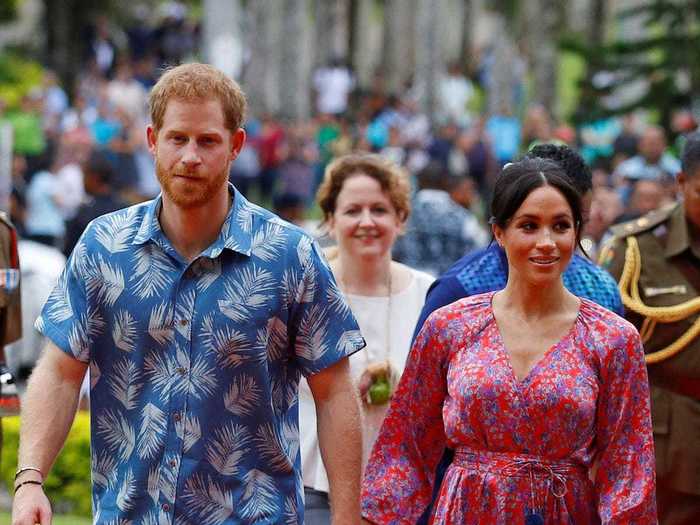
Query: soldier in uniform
column 10, row 314
column 656, row 260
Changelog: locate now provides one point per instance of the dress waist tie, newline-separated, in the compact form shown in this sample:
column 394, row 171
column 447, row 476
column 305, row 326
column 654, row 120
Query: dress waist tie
column 509, row 464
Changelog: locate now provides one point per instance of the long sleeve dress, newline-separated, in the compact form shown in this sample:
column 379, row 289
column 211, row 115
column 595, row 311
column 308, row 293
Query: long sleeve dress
column 523, row 449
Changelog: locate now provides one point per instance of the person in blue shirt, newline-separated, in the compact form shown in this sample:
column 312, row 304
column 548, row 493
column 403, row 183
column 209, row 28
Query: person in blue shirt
column 487, row 269
column 196, row 314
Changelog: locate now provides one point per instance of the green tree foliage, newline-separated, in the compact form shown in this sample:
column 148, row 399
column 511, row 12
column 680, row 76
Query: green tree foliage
column 8, row 10
column 665, row 57
column 68, row 485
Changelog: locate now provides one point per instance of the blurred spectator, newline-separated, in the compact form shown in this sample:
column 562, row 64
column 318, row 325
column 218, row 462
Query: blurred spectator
column 652, row 161
column 126, row 93
column 645, row 196
column 606, row 207
column 40, row 267
column 296, row 171
column 290, row 207
column 29, row 138
column 101, row 198
column 333, row 84
column 270, row 144
column 44, row 221
column 537, row 126
column 455, row 92
column 101, row 46
column 439, row 230
column 505, row 133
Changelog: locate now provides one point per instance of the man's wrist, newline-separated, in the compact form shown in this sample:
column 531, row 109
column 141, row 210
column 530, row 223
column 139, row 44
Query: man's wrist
column 27, row 483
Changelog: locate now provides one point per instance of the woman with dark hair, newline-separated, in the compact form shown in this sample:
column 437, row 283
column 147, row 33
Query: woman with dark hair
column 543, row 395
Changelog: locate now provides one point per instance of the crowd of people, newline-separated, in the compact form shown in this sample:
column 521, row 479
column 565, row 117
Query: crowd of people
column 440, row 346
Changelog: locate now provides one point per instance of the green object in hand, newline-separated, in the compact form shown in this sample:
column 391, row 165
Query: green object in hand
column 380, row 391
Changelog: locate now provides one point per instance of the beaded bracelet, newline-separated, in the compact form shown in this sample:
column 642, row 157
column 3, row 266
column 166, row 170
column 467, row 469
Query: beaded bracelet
column 28, row 482
column 27, row 469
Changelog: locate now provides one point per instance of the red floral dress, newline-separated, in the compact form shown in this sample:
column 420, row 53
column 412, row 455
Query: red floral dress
column 523, row 449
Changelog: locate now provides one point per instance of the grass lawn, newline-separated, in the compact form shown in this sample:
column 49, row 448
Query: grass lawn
column 5, row 519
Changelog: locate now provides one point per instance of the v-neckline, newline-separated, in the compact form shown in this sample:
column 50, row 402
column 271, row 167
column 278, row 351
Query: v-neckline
column 522, row 383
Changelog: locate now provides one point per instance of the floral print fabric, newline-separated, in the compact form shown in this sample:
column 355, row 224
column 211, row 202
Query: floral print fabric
column 521, row 446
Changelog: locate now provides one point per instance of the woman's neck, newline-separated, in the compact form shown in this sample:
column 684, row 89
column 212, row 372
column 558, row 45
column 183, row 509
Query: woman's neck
column 534, row 302
column 365, row 276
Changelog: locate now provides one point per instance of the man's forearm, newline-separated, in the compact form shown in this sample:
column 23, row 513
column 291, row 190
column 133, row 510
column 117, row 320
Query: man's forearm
column 48, row 409
column 340, row 441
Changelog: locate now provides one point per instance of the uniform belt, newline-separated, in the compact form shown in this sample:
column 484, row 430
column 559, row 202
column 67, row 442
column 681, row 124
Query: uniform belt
column 684, row 386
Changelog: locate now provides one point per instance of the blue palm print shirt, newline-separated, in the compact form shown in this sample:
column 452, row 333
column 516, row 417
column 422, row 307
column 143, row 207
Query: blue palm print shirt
column 194, row 367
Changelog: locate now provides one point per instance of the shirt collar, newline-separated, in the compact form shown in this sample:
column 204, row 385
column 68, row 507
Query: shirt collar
column 677, row 239
column 235, row 235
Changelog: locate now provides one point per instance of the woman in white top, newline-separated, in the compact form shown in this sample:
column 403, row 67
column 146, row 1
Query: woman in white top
column 365, row 200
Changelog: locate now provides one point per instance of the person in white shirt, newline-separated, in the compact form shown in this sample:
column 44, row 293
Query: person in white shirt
column 365, row 201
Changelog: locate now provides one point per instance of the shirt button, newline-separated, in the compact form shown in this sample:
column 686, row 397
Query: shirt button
column 177, row 417
column 173, row 463
column 181, row 371
column 166, row 507
column 183, row 322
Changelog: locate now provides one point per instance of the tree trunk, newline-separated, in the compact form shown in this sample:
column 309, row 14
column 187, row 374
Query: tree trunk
column 295, row 65
column 543, row 52
column 262, row 73
column 363, row 52
column 398, row 43
column 598, row 22
column 465, row 47
column 429, row 53
column 500, row 89
column 332, row 28
column 222, row 43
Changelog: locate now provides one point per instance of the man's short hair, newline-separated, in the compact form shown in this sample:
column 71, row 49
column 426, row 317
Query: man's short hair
column 197, row 81
column 575, row 168
column 690, row 160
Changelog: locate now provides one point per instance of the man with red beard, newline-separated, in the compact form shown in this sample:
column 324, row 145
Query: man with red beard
column 196, row 314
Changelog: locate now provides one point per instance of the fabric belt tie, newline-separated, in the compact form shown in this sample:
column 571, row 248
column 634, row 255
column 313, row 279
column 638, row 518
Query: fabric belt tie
column 507, row 464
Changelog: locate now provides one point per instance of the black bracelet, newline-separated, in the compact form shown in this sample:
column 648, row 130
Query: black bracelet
column 28, row 482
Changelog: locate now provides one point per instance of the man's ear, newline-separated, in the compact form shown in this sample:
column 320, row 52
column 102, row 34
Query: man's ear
column 151, row 136
column 237, row 141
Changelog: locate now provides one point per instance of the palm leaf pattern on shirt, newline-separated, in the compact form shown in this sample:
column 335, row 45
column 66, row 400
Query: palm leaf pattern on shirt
column 202, row 378
column 125, row 383
column 160, row 324
column 272, row 446
column 243, row 396
column 312, row 342
column 207, row 502
column 268, row 242
column 260, row 496
column 246, row 293
column 127, row 492
column 59, row 301
column 114, row 232
column 118, row 434
column 337, row 302
column 273, row 340
column 153, row 431
column 124, row 331
column 227, row 447
column 104, row 470
column 210, row 273
column 152, row 271
column 189, row 430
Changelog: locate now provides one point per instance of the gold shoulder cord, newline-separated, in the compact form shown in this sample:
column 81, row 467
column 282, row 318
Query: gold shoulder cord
column 629, row 290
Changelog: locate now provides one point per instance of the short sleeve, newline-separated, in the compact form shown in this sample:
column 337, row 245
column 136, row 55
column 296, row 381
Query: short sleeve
column 322, row 327
column 625, row 479
column 68, row 319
